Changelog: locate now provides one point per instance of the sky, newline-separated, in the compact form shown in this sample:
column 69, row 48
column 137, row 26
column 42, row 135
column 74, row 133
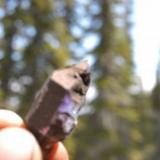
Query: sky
column 146, row 40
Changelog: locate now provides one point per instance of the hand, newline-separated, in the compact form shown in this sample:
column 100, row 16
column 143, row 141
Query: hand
column 17, row 143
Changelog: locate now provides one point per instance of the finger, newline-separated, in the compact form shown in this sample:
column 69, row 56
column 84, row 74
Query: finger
column 59, row 152
column 9, row 118
column 18, row 144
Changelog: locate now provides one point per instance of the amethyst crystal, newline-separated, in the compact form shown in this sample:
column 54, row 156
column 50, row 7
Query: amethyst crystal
column 55, row 109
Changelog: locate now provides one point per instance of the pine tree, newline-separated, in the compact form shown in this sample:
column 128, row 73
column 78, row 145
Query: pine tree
column 35, row 40
column 105, row 134
column 156, row 111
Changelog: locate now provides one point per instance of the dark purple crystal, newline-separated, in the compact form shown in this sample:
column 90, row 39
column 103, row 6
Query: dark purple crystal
column 55, row 109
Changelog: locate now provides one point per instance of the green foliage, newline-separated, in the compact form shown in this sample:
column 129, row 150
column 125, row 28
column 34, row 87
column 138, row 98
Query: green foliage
column 35, row 41
column 37, row 36
column 156, row 111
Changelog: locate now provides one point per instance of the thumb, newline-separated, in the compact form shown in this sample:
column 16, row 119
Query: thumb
column 18, row 144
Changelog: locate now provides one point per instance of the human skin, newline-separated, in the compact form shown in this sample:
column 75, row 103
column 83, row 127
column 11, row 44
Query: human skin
column 17, row 143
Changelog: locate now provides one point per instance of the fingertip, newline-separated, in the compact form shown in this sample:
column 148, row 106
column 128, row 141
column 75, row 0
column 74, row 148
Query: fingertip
column 59, row 152
column 18, row 144
column 37, row 154
column 10, row 118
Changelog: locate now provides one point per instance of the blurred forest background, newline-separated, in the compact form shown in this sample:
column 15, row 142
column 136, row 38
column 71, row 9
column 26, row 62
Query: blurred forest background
column 120, row 120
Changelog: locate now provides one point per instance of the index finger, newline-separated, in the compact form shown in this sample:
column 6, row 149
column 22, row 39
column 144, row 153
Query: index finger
column 9, row 118
column 59, row 152
column 13, row 138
